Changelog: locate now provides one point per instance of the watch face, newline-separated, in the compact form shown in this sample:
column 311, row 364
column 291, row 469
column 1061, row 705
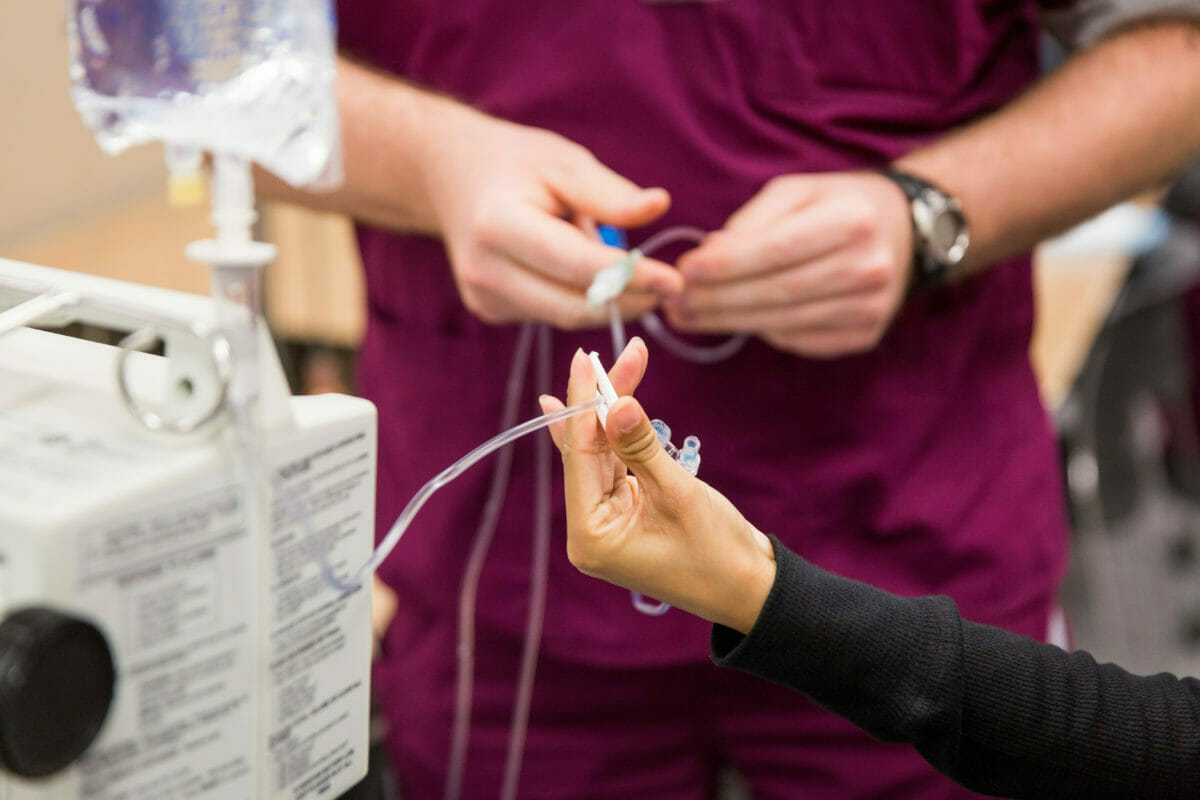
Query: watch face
column 944, row 229
column 948, row 229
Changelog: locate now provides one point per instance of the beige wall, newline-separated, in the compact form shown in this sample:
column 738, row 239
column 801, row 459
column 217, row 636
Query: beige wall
column 50, row 167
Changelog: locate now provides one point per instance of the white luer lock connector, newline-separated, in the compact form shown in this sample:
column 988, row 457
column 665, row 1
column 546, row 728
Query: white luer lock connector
column 688, row 456
column 604, row 388
column 611, row 281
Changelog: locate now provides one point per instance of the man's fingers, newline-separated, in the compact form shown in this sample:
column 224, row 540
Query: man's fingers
column 848, row 311
column 593, row 189
column 509, row 292
column 733, row 255
column 774, row 201
column 828, row 276
column 563, row 253
column 821, row 344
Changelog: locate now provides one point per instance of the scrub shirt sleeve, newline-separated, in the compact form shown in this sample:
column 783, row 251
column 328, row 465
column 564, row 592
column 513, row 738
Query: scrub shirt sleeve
column 1081, row 23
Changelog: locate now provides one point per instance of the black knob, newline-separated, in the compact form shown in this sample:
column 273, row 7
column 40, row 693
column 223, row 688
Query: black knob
column 56, row 684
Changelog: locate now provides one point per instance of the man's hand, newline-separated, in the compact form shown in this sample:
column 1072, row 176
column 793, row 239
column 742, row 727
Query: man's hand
column 516, row 207
column 814, row 264
column 659, row 531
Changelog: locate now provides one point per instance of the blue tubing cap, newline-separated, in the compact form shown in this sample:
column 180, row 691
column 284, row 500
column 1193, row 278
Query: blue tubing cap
column 614, row 237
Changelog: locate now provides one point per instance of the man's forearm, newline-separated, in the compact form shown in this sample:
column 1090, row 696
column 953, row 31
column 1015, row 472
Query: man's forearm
column 1113, row 121
column 386, row 128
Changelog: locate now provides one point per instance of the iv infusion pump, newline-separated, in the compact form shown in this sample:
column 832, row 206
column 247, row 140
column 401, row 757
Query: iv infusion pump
column 165, row 631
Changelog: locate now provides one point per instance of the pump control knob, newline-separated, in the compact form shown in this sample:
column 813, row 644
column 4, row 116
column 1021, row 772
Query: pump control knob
column 56, row 685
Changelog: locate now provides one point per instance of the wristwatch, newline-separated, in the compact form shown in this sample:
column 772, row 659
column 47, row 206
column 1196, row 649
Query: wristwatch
column 940, row 233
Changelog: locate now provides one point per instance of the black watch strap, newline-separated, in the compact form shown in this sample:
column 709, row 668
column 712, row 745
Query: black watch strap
column 927, row 271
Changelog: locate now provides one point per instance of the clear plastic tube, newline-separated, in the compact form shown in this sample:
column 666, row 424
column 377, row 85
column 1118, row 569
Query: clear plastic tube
column 617, row 327
column 654, row 326
column 673, row 235
column 686, row 350
column 465, row 653
column 539, row 580
column 453, row 471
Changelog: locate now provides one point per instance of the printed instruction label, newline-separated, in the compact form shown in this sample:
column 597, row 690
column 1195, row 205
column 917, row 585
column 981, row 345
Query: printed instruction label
column 319, row 639
column 41, row 456
column 175, row 584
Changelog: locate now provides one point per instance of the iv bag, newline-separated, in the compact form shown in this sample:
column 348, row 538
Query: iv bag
column 247, row 78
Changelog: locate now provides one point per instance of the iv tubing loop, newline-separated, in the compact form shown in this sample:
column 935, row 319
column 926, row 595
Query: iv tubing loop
column 654, row 326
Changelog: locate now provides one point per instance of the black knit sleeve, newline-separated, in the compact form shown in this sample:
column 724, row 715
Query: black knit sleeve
column 999, row 713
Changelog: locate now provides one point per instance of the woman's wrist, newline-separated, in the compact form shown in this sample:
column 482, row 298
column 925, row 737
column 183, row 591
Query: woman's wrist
column 752, row 585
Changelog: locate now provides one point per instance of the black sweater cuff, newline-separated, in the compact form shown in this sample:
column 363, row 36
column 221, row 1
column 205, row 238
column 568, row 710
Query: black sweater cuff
column 889, row 664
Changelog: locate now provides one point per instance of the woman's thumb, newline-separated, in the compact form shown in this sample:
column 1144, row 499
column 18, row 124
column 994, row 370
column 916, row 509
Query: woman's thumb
column 634, row 441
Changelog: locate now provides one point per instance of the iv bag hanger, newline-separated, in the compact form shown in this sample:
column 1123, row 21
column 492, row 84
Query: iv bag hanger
column 199, row 364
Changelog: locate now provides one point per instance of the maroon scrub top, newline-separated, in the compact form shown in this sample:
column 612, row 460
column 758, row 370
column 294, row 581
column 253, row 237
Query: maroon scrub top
column 924, row 466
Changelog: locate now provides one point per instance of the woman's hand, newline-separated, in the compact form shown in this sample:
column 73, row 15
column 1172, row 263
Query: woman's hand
column 636, row 518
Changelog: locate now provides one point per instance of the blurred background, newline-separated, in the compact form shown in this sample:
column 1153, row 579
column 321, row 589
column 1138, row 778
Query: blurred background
column 1114, row 348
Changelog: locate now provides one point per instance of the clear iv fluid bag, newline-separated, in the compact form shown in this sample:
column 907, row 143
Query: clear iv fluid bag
column 247, row 78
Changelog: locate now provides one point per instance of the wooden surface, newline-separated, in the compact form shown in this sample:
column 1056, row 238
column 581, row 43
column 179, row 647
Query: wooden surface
column 314, row 290
column 1073, row 296
column 139, row 240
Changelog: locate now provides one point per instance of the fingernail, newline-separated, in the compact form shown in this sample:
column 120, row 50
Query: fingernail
column 625, row 416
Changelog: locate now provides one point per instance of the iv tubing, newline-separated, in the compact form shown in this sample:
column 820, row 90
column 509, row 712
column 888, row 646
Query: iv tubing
column 678, row 233
column 654, row 326
column 686, row 350
column 617, row 328
column 539, row 578
column 453, row 471
column 465, row 676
